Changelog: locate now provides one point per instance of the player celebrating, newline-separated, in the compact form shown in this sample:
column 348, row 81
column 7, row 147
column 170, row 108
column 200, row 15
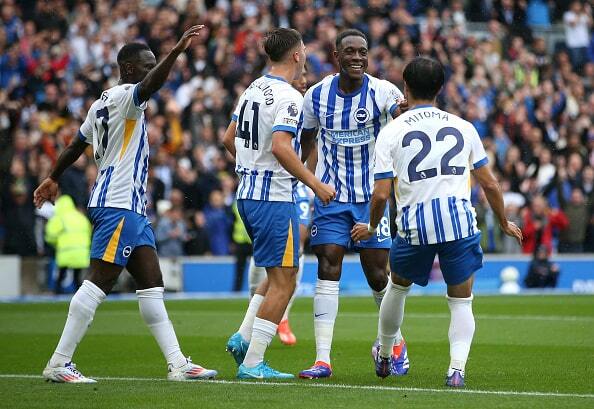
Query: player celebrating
column 260, row 136
column 349, row 109
column 258, row 274
column 429, row 155
column 122, row 235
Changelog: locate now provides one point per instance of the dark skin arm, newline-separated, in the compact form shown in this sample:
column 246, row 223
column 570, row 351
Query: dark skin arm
column 48, row 189
column 308, row 142
column 381, row 193
column 156, row 77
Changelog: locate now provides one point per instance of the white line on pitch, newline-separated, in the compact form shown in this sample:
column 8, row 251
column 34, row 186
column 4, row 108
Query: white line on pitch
column 337, row 386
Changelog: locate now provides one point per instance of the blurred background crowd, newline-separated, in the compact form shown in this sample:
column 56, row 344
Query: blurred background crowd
column 528, row 93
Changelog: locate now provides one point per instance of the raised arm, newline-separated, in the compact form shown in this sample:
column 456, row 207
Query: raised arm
column 156, row 77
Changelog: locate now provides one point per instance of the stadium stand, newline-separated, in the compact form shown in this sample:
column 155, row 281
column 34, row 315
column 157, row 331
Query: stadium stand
column 521, row 71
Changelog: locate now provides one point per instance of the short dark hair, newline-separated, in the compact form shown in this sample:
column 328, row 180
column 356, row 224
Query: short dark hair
column 424, row 77
column 130, row 52
column 347, row 33
column 279, row 41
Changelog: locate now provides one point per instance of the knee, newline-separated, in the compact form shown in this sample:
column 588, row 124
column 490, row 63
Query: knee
column 377, row 278
column 328, row 269
column 104, row 281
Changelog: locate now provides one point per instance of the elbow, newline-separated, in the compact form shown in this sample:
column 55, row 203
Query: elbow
column 277, row 150
column 491, row 186
column 381, row 196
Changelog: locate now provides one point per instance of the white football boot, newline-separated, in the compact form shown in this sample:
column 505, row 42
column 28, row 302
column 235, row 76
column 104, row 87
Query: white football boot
column 189, row 372
column 65, row 374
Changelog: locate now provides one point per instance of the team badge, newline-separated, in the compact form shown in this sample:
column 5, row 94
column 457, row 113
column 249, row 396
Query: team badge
column 127, row 251
column 362, row 115
column 314, row 230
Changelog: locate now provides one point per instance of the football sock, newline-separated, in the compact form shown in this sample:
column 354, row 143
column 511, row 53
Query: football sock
column 298, row 280
column 152, row 309
column 461, row 331
column 80, row 315
column 391, row 316
column 325, row 311
column 378, row 296
column 245, row 329
column 255, row 276
column 262, row 335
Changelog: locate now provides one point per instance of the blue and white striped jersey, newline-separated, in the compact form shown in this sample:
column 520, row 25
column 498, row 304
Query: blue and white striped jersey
column 348, row 127
column 269, row 104
column 430, row 154
column 116, row 127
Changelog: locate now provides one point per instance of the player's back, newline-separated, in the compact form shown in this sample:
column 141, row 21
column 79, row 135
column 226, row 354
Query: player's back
column 268, row 105
column 431, row 154
column 115, row 126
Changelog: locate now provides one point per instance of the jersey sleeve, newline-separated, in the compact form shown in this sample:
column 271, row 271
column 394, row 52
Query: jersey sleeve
column 287, row 112
column 85, row 132
column 478, row 156
column 128, row 102
column 237, row 109
column 384, row 162
column 309, row 119
column 389, row 97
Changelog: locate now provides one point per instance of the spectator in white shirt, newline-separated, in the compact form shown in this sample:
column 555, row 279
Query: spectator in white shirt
column 577, row 21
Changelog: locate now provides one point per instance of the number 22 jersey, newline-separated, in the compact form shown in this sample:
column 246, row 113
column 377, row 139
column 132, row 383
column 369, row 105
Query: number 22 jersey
column 269, row 104
column 430, row 154
column 116, row 128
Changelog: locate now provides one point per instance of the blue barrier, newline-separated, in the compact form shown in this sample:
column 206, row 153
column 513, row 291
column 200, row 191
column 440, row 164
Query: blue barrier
column 215, row 274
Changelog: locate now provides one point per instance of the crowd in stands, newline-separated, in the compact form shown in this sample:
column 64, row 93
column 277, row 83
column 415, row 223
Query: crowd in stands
column 532, row 102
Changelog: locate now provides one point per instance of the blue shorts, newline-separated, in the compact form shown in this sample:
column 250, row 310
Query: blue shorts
column 274, row 230
column 458, row 259
column 303, row 209
column 117, row 232
column 332, row 224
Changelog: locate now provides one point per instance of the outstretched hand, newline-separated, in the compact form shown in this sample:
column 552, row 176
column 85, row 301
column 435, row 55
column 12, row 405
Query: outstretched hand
column 47, row 191
column 186, row 39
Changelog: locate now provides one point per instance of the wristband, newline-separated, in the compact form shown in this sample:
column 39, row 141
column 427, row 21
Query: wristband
column 370, row 229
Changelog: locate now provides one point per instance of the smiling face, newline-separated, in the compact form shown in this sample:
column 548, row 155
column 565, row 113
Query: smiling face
column 352, row 57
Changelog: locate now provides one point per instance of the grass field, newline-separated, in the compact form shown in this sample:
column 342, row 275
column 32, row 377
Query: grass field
column 529, row 352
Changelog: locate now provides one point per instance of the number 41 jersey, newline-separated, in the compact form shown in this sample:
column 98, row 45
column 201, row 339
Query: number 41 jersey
column 269, row 104
column 116, row 128
column 430, row 154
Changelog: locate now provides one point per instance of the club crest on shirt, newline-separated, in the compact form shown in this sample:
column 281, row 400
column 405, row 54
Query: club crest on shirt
column 361, row 115
column 292, row 109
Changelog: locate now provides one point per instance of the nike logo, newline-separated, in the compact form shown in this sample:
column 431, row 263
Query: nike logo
column 327, row 115
column 319, row 315
column 382, row 239
column 259, row 376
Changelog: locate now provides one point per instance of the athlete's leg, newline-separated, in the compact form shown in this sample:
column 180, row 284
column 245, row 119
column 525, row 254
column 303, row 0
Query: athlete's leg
column 303, row 232
column 281, row 281
column 82, row 309
column 255, row 276
column 392, row 313
column 330, row 258
column 245, row 329
column 143, row 265
column 462, row 325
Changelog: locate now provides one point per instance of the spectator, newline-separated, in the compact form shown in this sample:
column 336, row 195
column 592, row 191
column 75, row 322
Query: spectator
column 171, row 233
column 577, row 21
column 542, row 273
column 218, row 224
column 571, row 240
column 539, row 224
column 198, row 242
column 69, row 232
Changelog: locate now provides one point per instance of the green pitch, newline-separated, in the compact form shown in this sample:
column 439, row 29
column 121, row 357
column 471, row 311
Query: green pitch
column 535, row 352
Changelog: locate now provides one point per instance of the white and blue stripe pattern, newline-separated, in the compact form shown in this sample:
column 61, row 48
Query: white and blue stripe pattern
column 349, row 125
column 447, row 219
